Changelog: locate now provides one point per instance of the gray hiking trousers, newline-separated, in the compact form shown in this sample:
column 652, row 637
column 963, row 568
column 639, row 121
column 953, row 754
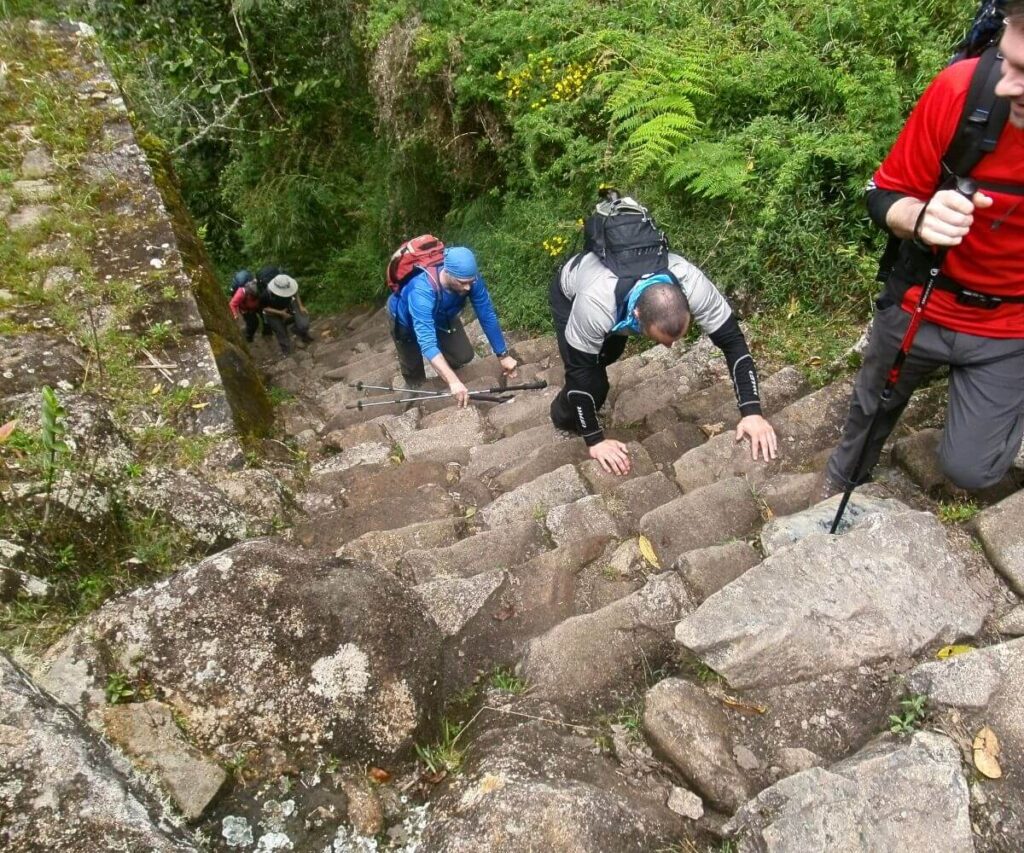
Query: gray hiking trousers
column 453, row 343
column 985, row 415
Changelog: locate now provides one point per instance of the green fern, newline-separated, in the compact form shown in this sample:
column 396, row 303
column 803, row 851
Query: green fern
column 710, row 170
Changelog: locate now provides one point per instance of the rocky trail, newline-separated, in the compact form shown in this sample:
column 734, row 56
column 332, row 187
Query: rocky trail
column 672, row 658
column 424, row 628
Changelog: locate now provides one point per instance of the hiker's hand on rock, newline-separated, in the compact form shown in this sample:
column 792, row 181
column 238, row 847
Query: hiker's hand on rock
column 948, row 217
column 509, row 365
column 761, row 434
column 460, row 392
column 613, row 456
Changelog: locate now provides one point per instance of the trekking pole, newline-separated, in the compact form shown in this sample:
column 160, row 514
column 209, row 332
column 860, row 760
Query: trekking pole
column 473, row 395
column 362, row 386
column 967, row 188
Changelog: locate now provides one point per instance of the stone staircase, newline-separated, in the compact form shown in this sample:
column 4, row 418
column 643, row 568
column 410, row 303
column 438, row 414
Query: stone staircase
column 701, row 660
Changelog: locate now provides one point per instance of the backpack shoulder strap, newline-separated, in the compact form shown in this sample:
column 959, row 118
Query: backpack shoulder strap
column 981, row 120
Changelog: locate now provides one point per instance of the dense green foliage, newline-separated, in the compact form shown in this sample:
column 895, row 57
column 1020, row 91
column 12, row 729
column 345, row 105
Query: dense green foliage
column 319, row 133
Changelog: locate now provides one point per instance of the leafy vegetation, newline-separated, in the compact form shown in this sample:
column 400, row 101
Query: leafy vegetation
column 958, row 511
column 319, row 135
column 910, row 718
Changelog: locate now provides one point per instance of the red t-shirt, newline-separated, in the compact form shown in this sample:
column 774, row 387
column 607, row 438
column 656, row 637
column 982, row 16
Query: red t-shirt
column 991, row 257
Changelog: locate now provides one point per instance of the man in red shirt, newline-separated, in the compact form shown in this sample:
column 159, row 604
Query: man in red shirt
column 246, row 303
column 983, row 344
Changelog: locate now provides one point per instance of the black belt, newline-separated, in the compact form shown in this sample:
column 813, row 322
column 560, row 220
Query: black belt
column 974, row 298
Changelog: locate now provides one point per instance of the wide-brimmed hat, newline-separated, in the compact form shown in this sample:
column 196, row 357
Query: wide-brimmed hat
column 283, row 285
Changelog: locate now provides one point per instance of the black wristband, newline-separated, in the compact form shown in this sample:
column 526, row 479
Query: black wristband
column 917, row 229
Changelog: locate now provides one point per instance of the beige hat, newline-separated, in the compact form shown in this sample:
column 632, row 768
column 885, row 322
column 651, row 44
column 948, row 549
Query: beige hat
column 283, row 285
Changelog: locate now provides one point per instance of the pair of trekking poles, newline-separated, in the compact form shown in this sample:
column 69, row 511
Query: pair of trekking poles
column 497, row 394
column 967, row 188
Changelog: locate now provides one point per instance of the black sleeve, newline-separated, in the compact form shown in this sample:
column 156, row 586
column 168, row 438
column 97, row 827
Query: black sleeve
column 879, row 201
column 729, row 339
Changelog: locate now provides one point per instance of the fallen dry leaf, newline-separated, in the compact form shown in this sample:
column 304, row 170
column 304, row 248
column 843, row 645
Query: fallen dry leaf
column 711, row 430
column 380, row 776
column 647, row 550
column 986, row 753
column 953, row 651
column 7, row 430
column 740, row 705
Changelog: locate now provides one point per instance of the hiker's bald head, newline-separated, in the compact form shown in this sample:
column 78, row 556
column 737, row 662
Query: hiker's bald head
column 663, row 313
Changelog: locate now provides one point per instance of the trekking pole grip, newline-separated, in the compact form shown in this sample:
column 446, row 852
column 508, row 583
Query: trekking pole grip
column 525, row 386
column 487, row 398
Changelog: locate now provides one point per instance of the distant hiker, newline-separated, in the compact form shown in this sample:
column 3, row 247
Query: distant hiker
column 639, row 288
column 425, row 321
column 974, row 320
column 283, row 307
column 246, row 303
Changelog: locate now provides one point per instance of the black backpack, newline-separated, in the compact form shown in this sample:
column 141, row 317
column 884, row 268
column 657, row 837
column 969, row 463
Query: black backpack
column 624, row 235
column 981, row 122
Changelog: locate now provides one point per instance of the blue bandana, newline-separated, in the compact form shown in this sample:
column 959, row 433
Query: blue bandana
column 630, row 324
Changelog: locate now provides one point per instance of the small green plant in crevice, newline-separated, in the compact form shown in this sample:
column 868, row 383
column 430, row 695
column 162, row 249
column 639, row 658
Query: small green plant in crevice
column 119, row 689
column 444, row 756
column 505, row 679
column 54, row 428
column 631, row 718
column 908, row 721
column 957, row 511
column 279, row 395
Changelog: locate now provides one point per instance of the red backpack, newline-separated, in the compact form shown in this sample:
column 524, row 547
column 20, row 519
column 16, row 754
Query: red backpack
column 423, row 252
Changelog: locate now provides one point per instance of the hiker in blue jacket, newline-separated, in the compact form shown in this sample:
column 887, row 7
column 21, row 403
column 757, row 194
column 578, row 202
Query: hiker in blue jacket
column 426, row 324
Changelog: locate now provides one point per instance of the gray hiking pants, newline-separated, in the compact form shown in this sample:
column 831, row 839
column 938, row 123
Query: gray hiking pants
column 985, row 415
column 453, row 343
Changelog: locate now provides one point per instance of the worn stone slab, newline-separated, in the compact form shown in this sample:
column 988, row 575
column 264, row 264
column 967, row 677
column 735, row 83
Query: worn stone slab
column 781, row 389
column 491, row 459
column 887, row 589
column 633, row 498
column 446, row 436
column 909, row 796
column 34, row 191
column 386, row 548
column 330, row 530
column 602, row 483
column 37, row 163
column 1012, row 624
column 453, row 601
column 364, row 433
column 580, row 519
column 690, row 728
column 545, row 458
column 636, row 402
column 595, row 659
column 367, row 453
column 28, row 216
column 707, row 570
column 536, row 350
column 666, row 445
column 528, row 409
column 63, row 789
column 805, row 428
column 917, row 454
column 708, row 516
column 1001, row 533
column 533, row 500
column 146, row 731
column 501, row 548
column 782, row 532
column 785, row 494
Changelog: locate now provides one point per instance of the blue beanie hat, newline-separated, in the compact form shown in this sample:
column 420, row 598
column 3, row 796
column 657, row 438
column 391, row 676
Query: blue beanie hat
column 460, row 262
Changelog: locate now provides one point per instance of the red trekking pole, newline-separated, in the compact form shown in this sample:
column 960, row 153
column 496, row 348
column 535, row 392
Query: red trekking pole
column 967, row 188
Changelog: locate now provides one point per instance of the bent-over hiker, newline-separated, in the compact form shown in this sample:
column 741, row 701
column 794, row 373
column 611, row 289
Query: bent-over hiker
column 974, row 321
column 246, row 303
column 283, row 307
column 425, row 321
column 595, row 310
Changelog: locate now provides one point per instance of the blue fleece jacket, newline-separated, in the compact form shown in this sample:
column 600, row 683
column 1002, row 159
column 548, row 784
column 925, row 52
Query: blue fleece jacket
column 426, row 308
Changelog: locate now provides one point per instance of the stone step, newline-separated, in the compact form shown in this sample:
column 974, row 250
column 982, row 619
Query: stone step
column 533, row 500
column 636, row 402
column 581, row 519
column 999, row 530
column 543, row 460
column 528, row 409
column 665, row 446
column 603, row 483
column 886, row 590
column 328, row 532
column 489, row 460
column 633, row 498
column 445, row 436
column 805, row 429
column 385, row 549
column 709, row 516
column 501, row 548
column 597, row 659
